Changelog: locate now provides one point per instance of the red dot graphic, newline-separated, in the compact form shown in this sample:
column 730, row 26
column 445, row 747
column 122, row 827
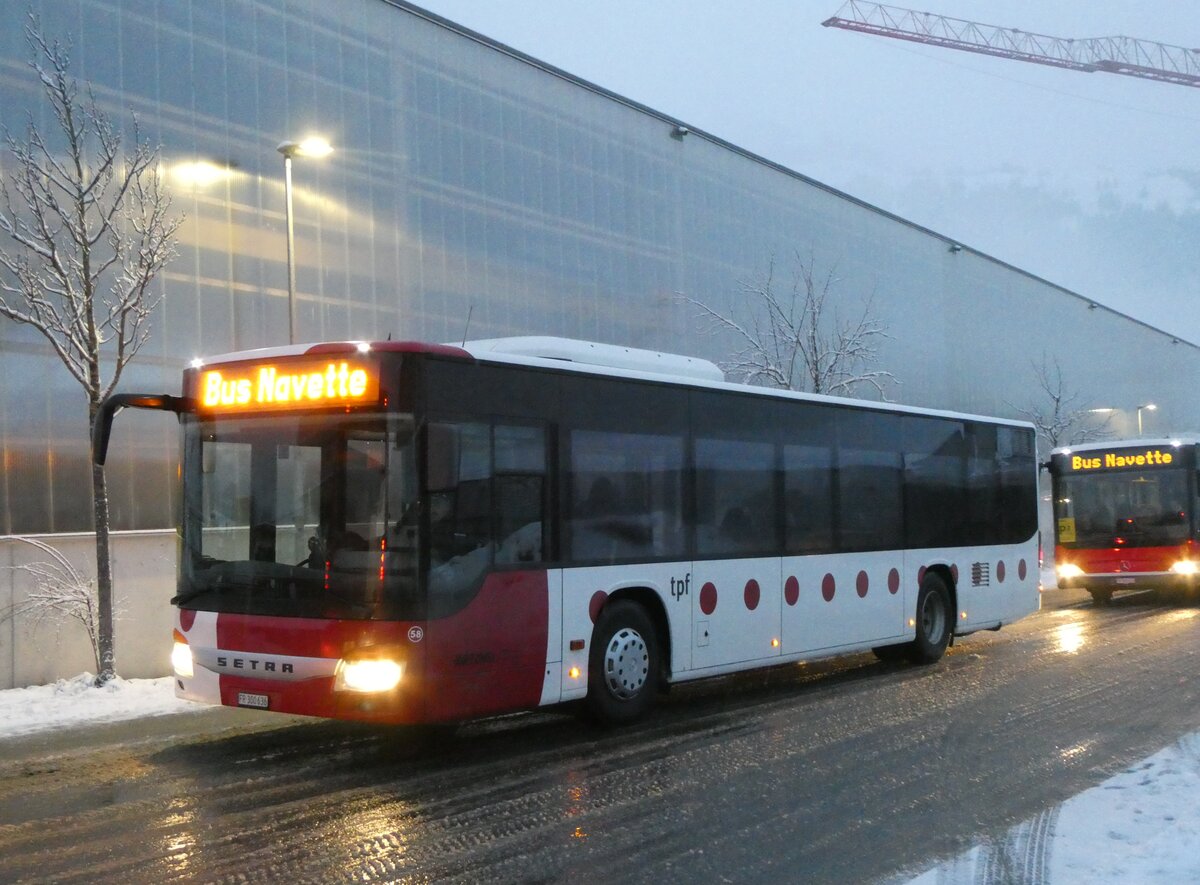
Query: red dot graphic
column 596, row 603
column 187, row 617
column 1021, row 570
column 708, row 598
column 861, row 585
column 828, row 588
column 893, row 582
column 954, row 574
column 920, row 574
column 752, row 594
column 791, row 591
column 1000, row 572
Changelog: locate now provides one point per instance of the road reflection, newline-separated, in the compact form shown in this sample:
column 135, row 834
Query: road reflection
column 1071, row 636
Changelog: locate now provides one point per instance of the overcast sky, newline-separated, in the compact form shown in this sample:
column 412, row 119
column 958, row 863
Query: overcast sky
column 1091, row 181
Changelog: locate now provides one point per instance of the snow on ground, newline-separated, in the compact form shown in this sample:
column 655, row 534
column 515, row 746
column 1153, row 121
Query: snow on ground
column 1143, row 825
column 70, row 703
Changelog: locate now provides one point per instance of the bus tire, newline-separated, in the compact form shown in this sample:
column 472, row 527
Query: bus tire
column 624, row 664
column 935, row 621
column 1101, row 596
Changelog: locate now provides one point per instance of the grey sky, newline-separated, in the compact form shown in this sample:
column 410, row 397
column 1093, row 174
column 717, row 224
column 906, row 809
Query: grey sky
column 1091, row 181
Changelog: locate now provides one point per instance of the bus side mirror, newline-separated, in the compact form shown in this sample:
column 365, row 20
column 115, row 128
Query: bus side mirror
column 102, row 429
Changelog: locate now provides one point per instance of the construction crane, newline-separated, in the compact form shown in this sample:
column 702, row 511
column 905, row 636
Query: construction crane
column 1113, row 55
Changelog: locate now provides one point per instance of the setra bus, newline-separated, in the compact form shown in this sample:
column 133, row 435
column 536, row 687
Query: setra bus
column 1125, row 516
column 410, row 533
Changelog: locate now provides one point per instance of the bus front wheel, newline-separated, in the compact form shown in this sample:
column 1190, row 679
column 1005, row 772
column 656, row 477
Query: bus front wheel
column 935, row 620
column 624, row 666
column 1101, row 596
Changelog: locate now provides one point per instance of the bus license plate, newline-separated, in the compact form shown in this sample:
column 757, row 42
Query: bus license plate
column 249, row 699
column 1124, row 580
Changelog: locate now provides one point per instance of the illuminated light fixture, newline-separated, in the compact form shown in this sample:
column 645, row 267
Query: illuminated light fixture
column 574, row 672
column 181, row 658
column 1066, row 451
column 363, row 347
column 197, row 363
column 912, row 622
column 774, row 643
column 964, row 616
column 1069, row 570
column 315, row 147
column 1176, row 443
column 1149, row 407
column 1185, row 567
column 199, row 173
column 368, row 675
column 1103, row 410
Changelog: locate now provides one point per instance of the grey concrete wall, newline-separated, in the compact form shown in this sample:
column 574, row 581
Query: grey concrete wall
column 38, row 651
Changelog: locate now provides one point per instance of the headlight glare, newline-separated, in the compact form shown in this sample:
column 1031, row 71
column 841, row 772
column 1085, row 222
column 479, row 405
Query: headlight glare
column 1069, row 570
column 181, row 660
column 368, row 675
column 1185, row 567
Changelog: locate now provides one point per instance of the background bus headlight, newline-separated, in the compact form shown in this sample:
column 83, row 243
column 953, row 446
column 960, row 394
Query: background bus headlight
column 1185, row 567
column 1069, row 570
column 368, row 675
column 181, row 660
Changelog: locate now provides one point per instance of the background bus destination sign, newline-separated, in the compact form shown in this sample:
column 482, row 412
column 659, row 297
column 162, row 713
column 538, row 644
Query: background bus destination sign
column 1116, row 459
column 287, row 384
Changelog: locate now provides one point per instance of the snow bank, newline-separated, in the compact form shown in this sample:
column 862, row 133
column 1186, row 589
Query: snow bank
column 71, row 702
column 1143, row 825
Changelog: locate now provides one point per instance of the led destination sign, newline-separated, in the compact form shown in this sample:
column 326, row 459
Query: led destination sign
column 287, row 385
column 1122, row 458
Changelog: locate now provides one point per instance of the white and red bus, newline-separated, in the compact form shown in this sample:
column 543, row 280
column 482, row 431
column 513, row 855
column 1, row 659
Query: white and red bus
column 1125, row 515
column 406, row 532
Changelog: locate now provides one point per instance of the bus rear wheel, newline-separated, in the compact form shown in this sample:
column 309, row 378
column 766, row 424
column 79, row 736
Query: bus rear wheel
column 934, row 621
column 624, row 664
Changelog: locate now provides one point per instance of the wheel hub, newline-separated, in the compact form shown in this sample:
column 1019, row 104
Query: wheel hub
column 626, row 664
column 933, row 619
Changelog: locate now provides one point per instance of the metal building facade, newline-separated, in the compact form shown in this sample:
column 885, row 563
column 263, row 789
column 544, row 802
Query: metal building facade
column 476, row 192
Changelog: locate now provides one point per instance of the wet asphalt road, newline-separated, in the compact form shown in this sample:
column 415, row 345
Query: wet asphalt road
column 849, row 771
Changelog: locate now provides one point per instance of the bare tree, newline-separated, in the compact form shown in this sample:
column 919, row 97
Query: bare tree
column 86, row 228
column 1061, row 418
column 794, row 337
column 59, row 591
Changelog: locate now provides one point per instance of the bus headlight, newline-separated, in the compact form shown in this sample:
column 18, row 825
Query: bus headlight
column 1185, row 567
column 181, row 660
column 368, row 675
column 1069, row 570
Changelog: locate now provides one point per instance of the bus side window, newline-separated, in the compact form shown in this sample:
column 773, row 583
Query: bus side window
column 519, row 493
column 458, row 479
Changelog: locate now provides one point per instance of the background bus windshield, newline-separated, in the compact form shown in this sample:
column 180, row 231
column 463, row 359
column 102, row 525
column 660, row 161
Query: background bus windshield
column 1130, row 509
column 301, row 515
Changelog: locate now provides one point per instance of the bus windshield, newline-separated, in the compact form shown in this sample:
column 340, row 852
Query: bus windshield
column 309, row 516
column 1125, row 509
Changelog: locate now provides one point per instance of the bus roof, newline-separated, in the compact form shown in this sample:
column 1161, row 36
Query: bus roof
column 1103, row 445
column 587, row 357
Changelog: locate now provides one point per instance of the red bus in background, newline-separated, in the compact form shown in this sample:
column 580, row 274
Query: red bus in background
column 1125, row 516
column 405, row 532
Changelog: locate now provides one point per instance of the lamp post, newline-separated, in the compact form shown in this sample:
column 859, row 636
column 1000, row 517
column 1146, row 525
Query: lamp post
column 1149, row 407
column 310, row 147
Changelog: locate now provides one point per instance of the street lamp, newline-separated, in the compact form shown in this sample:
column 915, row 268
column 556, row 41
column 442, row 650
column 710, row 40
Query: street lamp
column 310, row 147
column 1149, row 407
